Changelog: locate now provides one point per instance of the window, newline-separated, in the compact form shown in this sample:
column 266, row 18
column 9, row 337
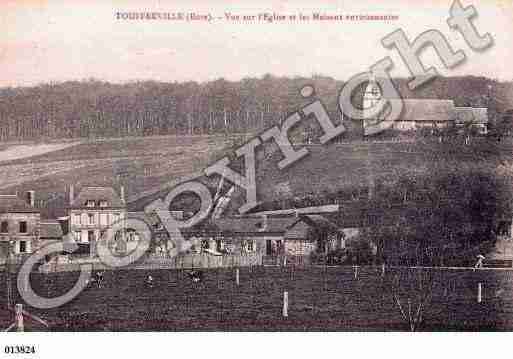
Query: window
column 219, row 245
column 77, row 236
column 23, row 227
column 131, row 236
column 23, row 247
column 5, row 227
column 90, row 236
column 91, row 218
column 76, row 219
column 90, row 203
column 115, row 218
column 104, row 204
column 250, row 246
column 103, row 219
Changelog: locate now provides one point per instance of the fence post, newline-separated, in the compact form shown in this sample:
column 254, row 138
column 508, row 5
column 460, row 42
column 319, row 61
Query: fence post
column 479, row 292
column 19, row 318
column 237, row 276
column 356, row 272
column 383, row 269
column 285, row 304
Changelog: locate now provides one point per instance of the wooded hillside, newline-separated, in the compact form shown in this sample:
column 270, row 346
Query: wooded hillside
column 99, row 109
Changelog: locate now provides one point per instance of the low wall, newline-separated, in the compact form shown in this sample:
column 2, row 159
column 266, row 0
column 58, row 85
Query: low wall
column 187, row 261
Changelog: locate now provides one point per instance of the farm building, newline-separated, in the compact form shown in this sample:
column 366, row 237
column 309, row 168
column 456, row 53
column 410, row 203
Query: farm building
column 422, row 113
column 269, row 237
column 474, row 117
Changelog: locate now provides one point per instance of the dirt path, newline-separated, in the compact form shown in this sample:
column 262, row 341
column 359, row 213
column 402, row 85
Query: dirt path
column 17, row 152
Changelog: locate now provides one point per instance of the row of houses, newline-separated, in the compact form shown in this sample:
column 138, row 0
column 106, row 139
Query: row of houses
column 95, row 209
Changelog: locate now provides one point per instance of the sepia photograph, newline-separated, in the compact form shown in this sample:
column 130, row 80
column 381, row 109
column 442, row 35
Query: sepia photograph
column 222, row 170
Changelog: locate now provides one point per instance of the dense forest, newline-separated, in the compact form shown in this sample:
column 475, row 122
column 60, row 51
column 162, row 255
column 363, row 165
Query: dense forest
column 98, row 109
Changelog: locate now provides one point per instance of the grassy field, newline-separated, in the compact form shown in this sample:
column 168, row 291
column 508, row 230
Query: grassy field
column 320, row 298
column 335, row 166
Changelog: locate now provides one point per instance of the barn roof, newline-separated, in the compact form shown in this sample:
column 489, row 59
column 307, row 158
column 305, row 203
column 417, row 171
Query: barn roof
column 98, row 194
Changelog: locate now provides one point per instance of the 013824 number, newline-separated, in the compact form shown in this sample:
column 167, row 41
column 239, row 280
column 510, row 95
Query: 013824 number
column 20, row 349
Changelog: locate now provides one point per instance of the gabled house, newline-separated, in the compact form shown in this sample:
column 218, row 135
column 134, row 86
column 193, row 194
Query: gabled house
column 19, row 226
column 313, row 233
column 91, row 213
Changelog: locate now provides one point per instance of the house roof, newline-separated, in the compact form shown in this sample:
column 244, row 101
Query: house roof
column 14, row 204
column 299, row 229
column 253, row 225
column 471, row 115
column 98, row 194
column 430, row 110
column 319, row 221
column 51, row 230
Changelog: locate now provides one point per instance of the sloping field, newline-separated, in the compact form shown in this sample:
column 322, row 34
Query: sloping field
column 320, row 298
column 148, row 165
column 137, row 163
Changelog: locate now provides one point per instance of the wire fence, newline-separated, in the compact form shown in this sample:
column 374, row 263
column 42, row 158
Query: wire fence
column 314, row 298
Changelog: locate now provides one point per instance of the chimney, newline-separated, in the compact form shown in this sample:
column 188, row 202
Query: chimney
column 71, row 194
column 122, row 191
column 31, row 200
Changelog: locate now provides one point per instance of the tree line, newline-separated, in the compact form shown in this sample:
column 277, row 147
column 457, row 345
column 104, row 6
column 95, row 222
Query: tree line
column 92, row 108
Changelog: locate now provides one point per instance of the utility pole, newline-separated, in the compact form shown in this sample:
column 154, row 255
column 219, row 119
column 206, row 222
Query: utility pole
column 8, row 281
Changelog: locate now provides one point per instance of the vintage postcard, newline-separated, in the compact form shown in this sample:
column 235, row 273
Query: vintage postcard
column 257, row 166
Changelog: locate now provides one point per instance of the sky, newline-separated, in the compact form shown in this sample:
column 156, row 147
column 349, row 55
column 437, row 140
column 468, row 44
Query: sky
column 45, row 41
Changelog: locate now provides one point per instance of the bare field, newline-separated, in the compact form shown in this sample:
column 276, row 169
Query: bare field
column 140, row 164
column 320, row 298
column 16, row 152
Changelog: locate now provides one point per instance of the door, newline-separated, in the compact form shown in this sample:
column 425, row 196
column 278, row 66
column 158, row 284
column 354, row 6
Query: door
column 269, row 247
